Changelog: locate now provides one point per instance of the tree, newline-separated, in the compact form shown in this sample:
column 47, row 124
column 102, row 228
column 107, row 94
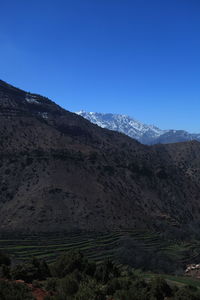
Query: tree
column 159, row 289
column 4, row 259
column 69, row 262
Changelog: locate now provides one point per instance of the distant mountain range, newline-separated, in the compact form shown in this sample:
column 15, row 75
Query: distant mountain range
column 145, row 134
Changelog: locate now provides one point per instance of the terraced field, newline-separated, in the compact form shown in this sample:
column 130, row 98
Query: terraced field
column 96, row 246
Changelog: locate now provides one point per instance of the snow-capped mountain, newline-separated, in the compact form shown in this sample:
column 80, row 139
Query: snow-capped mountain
column 125, row 124
column 146, row 134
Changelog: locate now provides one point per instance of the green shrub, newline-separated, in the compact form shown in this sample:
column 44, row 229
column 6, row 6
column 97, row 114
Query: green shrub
column 68, row 286
column 85, row 293
column 69, row 262
column 187, row 293
column 90, row 290
column 113, row 286
column 90, row 268
column 106, row 271
column 51, row 284
column 43, row 270
column 5, row 272
column 122, row 295
column 159, row 289
column 26, row 272
column 14, row 291
column 4, row 259
column 35, row 270
column 132, row 290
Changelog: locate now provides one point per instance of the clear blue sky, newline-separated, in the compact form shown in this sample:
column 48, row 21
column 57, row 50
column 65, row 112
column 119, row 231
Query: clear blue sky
column 137, row 57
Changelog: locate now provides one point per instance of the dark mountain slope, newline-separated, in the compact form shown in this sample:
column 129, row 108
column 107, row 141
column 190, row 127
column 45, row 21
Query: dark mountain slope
column 59, row 172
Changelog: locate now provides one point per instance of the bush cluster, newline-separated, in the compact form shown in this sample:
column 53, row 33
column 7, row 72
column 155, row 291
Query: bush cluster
column 73, row 277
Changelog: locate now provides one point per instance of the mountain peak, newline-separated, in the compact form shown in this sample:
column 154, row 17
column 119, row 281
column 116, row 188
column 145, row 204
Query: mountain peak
column 124, row 124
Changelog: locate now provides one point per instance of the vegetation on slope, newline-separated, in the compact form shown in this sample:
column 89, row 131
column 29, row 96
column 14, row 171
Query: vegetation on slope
column 73, row 277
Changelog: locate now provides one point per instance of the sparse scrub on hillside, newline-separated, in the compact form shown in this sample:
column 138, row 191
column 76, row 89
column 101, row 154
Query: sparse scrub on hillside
column 73, row 277
column 14, row 291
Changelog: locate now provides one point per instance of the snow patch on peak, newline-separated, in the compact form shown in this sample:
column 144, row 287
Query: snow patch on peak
column 44, row 115
column 32, row 99
column 80, row 112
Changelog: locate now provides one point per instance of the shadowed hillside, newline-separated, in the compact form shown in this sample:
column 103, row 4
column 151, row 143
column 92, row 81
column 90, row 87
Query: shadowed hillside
column 59, row 172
